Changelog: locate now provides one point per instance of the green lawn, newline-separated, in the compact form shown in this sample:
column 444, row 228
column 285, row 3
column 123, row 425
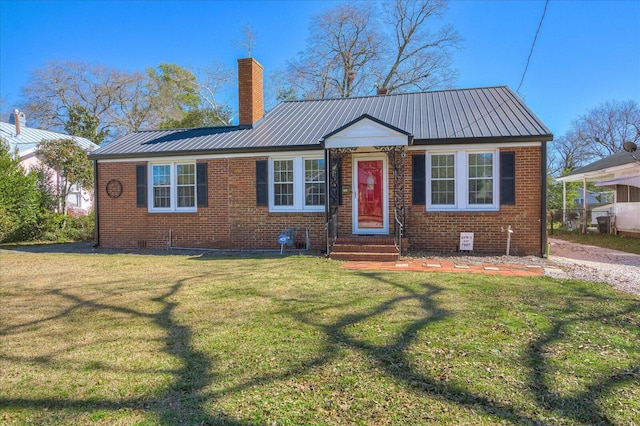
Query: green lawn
column 143, row 339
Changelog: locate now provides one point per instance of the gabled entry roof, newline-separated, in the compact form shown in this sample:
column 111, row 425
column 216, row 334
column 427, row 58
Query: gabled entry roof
column 439, row 117
column 366, row 131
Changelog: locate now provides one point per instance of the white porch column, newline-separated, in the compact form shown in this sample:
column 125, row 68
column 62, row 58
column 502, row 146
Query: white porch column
column 564, row 202
column 584, row 204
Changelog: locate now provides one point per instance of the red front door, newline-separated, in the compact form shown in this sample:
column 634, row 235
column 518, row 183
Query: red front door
column 370, row 204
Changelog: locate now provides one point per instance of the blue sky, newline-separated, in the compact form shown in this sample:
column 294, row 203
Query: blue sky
column 587, row 52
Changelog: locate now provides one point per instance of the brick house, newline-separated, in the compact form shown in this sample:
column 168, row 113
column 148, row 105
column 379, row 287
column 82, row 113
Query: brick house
column 413, row 169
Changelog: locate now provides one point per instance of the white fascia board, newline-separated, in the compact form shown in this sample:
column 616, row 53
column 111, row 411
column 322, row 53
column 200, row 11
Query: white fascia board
column 366, row 133
column 473, row 147
column 601, row 175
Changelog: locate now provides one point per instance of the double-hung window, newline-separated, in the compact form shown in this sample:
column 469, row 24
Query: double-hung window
column 186, row 185
column 462, row 180
column 481, row 179
column 283, row 183
column 173, row 187
column 314, row 182
column 443, row 180
column 297, row 184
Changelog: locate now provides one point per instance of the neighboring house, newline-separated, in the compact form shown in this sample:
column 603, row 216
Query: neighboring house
column 621, row 172
column 592, row 197
column 427, row 166
column 26, row 140
column 598, row 203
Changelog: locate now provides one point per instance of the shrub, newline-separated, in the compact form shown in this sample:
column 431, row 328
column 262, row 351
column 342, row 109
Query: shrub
column 62, row 228
column 19, row 198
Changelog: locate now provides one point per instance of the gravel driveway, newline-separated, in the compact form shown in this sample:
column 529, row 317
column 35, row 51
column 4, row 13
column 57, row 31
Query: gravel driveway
column 589, row 263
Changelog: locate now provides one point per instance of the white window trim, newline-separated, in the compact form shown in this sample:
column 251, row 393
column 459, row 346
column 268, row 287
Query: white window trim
column 443, row 207
column 462, row 182
column 174, row 188
column 298, row 186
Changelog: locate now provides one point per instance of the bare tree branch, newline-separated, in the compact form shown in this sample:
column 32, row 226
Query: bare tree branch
column 342, row 48
column 422, row 58
column 249, row 39
column 606, row 127
column 352, row 48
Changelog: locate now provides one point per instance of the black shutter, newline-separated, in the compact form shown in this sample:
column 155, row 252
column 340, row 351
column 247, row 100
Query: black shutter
column 201, row 176
column 141, row 185
column 418, row 180
column 339, row 183
column 262, row 183
column 507, row 178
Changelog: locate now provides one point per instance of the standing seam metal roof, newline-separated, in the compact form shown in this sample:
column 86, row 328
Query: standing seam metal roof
column 29, row 138
column 431, row 117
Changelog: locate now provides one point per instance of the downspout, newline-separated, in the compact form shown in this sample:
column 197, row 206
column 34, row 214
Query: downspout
column 96, row 192
column 543, row 206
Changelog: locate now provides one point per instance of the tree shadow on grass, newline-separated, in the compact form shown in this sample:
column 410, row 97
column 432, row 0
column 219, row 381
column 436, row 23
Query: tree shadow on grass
column 581, row 406
column 393, row 357
column 182, row 402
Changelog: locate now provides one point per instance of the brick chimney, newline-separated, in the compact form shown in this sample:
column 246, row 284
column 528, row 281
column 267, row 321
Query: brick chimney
column 250, row 91
column 16, row 116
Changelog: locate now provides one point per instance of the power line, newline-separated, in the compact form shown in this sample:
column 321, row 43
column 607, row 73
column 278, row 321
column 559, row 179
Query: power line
column 533, row 45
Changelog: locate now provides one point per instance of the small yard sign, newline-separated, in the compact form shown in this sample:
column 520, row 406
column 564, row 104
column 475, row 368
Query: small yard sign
column 466, row 241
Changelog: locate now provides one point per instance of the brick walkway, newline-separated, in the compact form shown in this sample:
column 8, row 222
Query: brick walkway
column 426, row 265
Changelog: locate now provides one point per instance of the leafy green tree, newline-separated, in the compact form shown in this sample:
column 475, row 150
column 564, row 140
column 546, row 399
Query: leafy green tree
column 200, row 118
column 71, row 163
column 173, row 92
column 554, row 194
column 19, row 199
column 101, row 103
column 82, row 123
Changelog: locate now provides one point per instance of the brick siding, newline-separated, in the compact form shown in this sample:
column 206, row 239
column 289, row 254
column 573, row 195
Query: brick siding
column 440, row 231
column 233, row 221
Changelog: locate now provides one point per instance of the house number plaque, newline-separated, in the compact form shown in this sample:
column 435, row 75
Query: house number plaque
column 114, row 188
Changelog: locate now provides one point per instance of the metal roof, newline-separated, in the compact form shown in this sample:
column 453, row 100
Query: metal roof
column 446, row 116
column 618, row 159
column 29, row 138
column 629, row 181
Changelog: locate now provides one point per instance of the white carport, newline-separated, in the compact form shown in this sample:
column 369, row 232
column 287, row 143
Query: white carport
column 620, row 171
